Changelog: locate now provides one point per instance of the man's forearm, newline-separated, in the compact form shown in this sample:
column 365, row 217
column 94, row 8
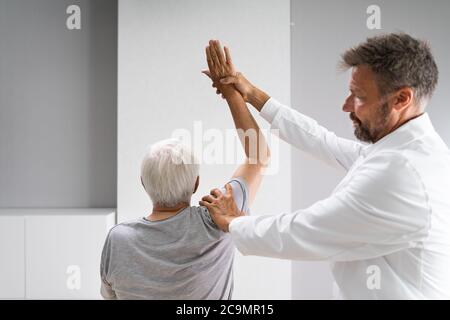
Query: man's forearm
column 258, row 98
column 245, row 122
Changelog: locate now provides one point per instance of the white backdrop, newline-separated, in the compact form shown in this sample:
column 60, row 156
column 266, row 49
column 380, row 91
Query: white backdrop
column 160, row 89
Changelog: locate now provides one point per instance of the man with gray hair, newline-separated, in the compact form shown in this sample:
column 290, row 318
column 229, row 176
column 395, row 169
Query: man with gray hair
column 178, row 252
column 386, row 227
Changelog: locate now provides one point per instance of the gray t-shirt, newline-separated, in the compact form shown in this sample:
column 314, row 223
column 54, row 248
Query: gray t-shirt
column 182, row 257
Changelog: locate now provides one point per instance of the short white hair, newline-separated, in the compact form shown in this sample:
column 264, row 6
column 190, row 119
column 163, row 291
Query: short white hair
column 169, row 171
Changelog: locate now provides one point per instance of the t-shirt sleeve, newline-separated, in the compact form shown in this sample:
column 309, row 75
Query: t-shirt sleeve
column 240, row 194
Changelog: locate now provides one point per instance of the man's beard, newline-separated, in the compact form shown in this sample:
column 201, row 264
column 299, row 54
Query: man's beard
column 371, row 133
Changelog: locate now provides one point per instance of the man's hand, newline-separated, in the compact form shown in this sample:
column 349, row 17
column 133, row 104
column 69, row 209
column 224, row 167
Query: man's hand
column 223, row 74
column 219, row 66
column 221, row 207
column 222, row 71
column 241, row 84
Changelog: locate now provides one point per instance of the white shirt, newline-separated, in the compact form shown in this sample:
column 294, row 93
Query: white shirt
column 385, row 227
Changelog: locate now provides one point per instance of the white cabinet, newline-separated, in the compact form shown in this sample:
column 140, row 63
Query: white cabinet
column 12, row 257
column 52, row 253
column 63, row 253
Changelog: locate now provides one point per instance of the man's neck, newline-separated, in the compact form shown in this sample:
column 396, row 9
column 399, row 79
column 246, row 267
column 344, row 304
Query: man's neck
column 400, row 122
column 162, row 212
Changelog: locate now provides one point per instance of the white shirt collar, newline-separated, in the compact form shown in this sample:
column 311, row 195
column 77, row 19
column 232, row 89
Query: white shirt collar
column 409, row 131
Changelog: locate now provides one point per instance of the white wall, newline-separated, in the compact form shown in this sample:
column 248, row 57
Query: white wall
column 58, row 98
column 160, row 89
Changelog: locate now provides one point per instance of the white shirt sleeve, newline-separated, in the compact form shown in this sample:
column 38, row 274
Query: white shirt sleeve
column 307, row 135
column 382, row 209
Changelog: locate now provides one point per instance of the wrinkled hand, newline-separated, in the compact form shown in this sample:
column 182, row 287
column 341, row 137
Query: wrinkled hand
column 219, row 66
column 221, row 207
column 222, row 71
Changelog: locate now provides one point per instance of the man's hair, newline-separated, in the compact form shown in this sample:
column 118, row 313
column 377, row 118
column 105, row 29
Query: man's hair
column 169, row 171
column 398, row 60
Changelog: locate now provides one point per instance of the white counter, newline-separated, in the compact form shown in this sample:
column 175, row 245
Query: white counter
column 52, row 253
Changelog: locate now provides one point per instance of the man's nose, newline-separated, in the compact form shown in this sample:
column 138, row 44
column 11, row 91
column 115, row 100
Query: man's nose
column 348, row 105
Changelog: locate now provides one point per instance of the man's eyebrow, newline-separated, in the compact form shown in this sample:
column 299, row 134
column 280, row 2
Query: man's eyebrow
column 356, row 89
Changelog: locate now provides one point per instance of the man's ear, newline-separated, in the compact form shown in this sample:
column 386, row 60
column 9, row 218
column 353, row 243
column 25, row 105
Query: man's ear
column 403, row 98
column 197, row 182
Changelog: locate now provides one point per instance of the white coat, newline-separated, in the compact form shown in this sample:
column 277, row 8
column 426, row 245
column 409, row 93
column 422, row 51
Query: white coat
column 385, row 227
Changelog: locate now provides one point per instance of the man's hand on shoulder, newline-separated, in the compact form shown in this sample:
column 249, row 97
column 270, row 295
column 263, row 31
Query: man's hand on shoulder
column 222, row 207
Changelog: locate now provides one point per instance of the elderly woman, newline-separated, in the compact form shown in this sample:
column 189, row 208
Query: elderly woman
column 178, row 252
